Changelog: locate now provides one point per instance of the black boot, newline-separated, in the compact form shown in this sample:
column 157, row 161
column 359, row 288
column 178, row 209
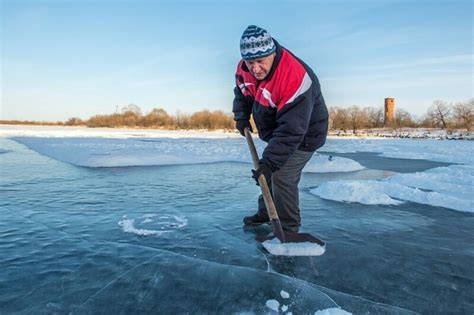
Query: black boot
column 256, row 219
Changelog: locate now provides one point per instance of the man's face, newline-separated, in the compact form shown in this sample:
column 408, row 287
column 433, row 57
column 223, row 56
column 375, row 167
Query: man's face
column 260, row 67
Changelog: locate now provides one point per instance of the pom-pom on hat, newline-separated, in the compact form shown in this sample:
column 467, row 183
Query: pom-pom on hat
column 256, row 43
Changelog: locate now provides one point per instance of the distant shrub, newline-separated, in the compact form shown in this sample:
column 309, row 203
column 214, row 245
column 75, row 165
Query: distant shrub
column 211, row 120
column 74, row 121
column 131, row 116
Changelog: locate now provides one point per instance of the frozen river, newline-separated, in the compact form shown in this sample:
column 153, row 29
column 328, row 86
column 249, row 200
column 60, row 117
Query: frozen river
column 100, row 225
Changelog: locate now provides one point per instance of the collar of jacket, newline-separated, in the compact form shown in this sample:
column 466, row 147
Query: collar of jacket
column 275, row 62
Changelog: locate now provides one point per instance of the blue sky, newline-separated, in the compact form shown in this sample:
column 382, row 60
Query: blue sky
column 63, row 58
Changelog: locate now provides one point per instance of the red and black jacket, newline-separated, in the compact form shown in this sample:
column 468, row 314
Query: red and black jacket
column 287, row 106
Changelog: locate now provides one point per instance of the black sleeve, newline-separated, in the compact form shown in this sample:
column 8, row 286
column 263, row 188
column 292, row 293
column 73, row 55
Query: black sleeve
column 241, row 108
column 293, row 121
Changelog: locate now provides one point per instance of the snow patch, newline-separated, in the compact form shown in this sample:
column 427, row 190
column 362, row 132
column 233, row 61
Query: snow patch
column 449, row 187
column 332, row 311
column 167, row 225
column 273, row 305
column 275, row 247
column 128, row 227
column 366, row 192
column 331, row 164
column 455, row 180
column 284, row 294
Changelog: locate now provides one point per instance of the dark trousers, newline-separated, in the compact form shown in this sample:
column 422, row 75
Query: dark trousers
column 284, row 188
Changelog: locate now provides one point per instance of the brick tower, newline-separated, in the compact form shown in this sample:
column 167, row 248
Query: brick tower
column 389, row 110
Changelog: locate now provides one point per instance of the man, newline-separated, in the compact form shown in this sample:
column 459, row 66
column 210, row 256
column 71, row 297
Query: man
column 284, row 96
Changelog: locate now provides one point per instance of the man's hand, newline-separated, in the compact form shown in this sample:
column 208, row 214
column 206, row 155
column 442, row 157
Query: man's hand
column 241, row 124
column 265, row 169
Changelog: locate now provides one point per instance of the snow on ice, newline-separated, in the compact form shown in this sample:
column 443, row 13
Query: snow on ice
column 450, row 187
column 168, row 150
column 166, row 225
column 275, row 247
column 332, row 311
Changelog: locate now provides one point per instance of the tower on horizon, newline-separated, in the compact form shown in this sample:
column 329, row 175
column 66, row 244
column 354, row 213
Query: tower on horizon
column 389, row 110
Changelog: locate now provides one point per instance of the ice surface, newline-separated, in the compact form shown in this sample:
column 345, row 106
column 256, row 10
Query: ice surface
column 63, row 250
column 275, row 247
column 284, row 294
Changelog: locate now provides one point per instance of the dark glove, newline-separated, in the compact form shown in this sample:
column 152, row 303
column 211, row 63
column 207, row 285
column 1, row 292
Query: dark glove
column 265, row 169
column 241, row 124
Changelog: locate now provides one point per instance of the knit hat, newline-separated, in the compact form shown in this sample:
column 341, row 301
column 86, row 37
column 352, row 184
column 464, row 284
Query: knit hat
column 256, row 43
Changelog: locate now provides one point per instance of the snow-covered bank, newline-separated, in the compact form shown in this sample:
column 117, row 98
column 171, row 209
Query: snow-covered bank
column 57, row 131
column 410, row 133
column 433, row 150
column 117, row 152
column 70, row 131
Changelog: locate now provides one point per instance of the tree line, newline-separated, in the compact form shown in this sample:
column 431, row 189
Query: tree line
column 132, row 116
column 441, row 114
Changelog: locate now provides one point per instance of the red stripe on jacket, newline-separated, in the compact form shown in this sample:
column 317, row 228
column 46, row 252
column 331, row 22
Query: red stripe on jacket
column 286, row 82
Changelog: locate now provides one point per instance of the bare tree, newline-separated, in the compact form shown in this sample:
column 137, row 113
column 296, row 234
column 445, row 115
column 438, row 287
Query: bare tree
column 357, row 118
column 464, row 114
column 375, row 117
column 183, row 120
column 132, row 108
column 74, row 121
column 439, row 114
column 403, row 118
column 339, row 118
